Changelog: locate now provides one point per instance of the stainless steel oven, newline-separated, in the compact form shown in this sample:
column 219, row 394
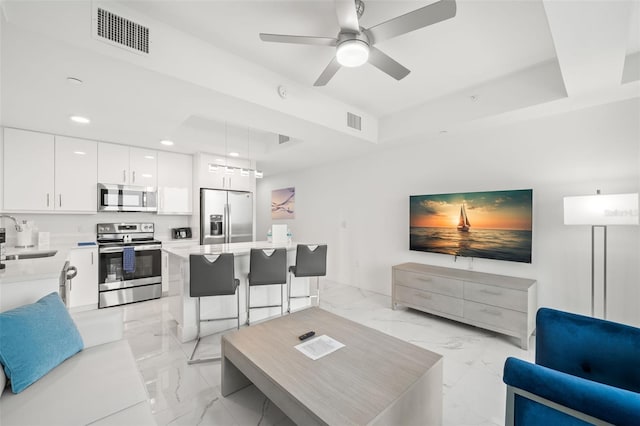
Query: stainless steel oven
column 130, row 264
column 122, row 198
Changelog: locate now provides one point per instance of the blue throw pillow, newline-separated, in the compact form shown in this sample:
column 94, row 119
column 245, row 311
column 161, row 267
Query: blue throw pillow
column 35, row 338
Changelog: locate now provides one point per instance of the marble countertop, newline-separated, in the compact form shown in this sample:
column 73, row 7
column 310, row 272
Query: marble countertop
column 33, row 269
column 238, row 249
column 167, row 242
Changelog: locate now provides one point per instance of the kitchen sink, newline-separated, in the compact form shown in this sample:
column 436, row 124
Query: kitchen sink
column 34, row 255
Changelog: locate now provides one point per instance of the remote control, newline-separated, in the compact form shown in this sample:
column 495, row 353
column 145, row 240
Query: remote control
column 307, row 335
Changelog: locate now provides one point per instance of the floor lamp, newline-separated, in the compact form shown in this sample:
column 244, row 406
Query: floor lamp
column 600, row 211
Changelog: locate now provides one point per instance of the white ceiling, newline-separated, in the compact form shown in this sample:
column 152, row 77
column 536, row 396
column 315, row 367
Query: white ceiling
column 485, row 40
column 503, row 51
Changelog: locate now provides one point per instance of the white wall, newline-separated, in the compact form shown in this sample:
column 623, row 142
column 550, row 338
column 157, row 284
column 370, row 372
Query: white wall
column 360, row 207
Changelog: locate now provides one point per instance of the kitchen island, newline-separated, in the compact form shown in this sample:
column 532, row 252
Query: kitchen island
column 183, row 307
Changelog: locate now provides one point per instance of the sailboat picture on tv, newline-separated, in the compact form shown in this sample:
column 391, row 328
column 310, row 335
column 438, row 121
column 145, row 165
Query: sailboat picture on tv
column 492, row 225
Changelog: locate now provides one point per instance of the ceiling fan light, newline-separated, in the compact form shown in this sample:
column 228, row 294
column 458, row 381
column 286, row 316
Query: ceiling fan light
column 352, row 53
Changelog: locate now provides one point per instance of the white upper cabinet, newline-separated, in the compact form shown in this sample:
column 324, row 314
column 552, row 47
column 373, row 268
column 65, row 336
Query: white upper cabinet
column 28, row 171
column 213, row 174
column 43, row 172
column 113, row 163
column 123, row 165
column 76, row 174
column 174, row 183
column 143, row 165
column 237, row 182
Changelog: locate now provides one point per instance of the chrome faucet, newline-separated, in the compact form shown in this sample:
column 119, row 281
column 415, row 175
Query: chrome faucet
column 18, row 226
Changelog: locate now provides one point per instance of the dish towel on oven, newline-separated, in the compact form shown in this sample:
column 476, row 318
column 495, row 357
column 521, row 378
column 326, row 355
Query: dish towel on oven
column 129, row 259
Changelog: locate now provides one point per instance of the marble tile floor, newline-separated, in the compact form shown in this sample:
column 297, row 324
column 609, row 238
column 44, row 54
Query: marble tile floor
column 182, row 394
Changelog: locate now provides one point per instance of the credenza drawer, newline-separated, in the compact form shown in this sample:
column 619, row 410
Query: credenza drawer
column 499, row 317
column 429, row 300
column 496, row 296
column 431, row 283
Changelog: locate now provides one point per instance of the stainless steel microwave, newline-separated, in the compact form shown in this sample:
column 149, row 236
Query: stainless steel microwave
column 122, row 198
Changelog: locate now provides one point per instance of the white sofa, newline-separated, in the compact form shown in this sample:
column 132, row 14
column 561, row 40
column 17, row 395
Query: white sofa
column 100, row 385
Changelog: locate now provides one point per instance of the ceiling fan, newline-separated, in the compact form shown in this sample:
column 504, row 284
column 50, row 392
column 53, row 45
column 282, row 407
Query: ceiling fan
column 355, row 45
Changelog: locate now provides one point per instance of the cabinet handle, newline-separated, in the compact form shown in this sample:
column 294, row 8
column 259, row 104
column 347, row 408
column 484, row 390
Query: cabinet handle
column 47, row 199
column 490, row 312
column 493, row 293
column 92, row 258
column 124, row 176
column 423, row 296
column 60, row 199
column 224, row 179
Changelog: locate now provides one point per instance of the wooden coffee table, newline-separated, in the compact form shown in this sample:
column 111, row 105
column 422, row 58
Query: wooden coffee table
column 374, row 379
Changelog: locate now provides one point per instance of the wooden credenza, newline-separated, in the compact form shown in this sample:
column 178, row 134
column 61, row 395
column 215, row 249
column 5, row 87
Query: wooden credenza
column 499, row 303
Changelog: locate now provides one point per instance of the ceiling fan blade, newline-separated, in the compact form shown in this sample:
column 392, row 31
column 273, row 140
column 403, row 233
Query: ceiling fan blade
column 347, row 16
column 385, row 64
column 328, row 73
column 428, row 15
column 283, row 38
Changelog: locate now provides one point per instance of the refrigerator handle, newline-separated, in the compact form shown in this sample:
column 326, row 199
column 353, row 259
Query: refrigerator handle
column 227, row 224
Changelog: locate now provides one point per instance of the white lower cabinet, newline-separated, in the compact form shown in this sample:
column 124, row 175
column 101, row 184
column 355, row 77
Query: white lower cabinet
column 165, row 272
column 82, row 290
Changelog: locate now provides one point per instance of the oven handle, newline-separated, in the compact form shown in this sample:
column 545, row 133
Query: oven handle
column 136, row 248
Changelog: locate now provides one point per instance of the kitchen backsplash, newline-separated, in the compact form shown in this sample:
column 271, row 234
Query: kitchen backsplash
column 69, row 229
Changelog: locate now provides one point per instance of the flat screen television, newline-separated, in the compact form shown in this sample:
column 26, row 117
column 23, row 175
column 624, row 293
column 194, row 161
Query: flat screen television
column 492, row 225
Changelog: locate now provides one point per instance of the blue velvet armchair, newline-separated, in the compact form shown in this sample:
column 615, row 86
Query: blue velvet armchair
column 587, row 371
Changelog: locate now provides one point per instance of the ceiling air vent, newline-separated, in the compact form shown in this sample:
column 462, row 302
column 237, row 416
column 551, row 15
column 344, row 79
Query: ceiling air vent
column 122, row 31
column 283, row 139
column 354, row 121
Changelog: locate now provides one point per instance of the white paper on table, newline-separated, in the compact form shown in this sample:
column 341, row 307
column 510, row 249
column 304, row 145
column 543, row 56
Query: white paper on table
column 319, row 347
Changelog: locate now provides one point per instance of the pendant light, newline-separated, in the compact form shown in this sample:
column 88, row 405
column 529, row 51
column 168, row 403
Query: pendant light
column 228, row 170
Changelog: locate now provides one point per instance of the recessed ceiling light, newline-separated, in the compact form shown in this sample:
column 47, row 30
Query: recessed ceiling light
column 234, row 154
column 149, row 157
column 79, row 119
column 74, row 80
column 79, row 152
column 166, row 142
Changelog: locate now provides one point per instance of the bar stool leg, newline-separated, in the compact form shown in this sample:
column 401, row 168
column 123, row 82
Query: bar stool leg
column 191, row 360
column 282, row 300
column 238, row 301
column 248, row 301
column 289, row 295
column 197, row 328
column 318, row 291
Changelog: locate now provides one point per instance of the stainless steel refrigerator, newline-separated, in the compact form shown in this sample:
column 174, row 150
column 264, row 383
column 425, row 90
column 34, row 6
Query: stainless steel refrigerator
column 225, row 216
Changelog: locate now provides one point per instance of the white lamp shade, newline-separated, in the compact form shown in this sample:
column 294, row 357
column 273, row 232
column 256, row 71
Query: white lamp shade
column 352, row 53
column 614, row 209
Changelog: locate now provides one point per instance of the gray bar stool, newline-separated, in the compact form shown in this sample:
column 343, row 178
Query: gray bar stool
column 267, row 267
column 211, row 275
column 311, row 261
